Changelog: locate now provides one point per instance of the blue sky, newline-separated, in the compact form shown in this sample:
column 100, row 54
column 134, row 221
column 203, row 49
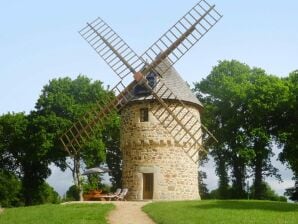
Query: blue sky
column 39, row 40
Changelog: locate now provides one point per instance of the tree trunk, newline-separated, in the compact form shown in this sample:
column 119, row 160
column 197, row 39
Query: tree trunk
column 238, row 178
column 258, row 178
column 221, row 170
column 76, row 176
column 258, row 170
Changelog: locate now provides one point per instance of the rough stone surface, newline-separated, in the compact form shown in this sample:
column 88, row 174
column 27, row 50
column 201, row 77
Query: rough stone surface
column 148, row 147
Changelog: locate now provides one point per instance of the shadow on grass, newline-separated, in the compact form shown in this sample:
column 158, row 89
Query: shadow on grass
column 249, row 205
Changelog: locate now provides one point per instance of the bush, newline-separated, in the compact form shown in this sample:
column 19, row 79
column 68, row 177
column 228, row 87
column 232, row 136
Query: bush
column 48, row 195
column 72, row 194
column 10, row 190
column 292, row 192
column 268, row 193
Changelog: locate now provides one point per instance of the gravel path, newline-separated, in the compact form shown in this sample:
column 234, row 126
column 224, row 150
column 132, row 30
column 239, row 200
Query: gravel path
column 126, row 212
column 129, row 212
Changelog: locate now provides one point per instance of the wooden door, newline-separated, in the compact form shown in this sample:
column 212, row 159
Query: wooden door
column 148, row 185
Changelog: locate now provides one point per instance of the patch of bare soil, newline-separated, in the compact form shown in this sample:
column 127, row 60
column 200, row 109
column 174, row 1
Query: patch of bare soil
column 129, row 212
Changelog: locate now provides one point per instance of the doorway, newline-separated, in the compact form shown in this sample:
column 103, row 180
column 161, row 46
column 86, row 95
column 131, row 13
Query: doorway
column 148, row 182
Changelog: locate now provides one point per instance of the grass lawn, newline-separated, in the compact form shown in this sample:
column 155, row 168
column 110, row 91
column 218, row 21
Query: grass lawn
column 223, row 212
column 56, row 214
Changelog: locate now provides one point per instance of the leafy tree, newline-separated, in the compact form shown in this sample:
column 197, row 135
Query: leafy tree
column 114, row 155
column 241, row 106
column 223, row 96
column 264, row 95
column 67, row 100
column 286, row 125
column 12, row 137
column 29, row 143
column 25, row 151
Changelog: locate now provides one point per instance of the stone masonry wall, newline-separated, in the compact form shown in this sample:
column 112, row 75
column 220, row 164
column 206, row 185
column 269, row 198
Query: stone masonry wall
column 147, row 147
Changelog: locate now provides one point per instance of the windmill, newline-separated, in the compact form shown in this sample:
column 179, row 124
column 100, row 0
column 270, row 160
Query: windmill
column 161, row 131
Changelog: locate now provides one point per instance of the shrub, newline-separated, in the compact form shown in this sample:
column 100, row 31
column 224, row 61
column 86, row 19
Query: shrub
column 10, row 190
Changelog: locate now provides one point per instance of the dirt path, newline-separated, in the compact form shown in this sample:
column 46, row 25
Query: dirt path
column 126, row 212
column 129, row 212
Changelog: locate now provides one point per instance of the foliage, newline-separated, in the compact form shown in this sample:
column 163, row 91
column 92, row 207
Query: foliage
column 286, row 125
column 72, row 194
column 66, row 214
column 202, row 176
column 10, row 190
column 220, row 194
column 292, row 192
column 13, row 129
column 48, row 195
column 223, row 96
column 24, row 152
column 241, row 104
column 229, row 212
column 114, row 155
column 268, row 193
column 29, row 143
column 67, row 100
column 93, row 182
column 203, row 190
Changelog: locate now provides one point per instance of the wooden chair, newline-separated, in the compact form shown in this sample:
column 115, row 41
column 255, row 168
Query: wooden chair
column 117, row 192
column 121, row 196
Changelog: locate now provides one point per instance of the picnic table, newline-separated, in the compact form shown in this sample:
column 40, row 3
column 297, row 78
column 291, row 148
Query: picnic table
column 96, row 195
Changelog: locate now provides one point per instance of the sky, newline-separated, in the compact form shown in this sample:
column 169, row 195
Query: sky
column 39, row 42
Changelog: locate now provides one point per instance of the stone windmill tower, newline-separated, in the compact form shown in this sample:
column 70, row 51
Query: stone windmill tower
column 161, row 131
column 155, row 164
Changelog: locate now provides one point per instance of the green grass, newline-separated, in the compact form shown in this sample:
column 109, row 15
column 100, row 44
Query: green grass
column 56, row 214
column 223, row 212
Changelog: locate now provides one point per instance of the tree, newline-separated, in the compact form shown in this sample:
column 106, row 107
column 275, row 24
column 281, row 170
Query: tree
column 241, row 107
column 264, row 95
column 30, row 143
column 222, row 93
column 286, row 128
column 25, row 151
column 114, row 155
column 67, row 100
column 12, row 137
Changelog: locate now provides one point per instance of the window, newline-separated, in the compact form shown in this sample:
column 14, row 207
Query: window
column 144, row 115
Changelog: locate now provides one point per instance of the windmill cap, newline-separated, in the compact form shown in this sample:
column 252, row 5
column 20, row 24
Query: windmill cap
column 175, row 83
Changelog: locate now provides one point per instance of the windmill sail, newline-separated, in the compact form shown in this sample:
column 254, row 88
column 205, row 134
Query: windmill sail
column 124, row 61
column 182, row 36
column 113, row 50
